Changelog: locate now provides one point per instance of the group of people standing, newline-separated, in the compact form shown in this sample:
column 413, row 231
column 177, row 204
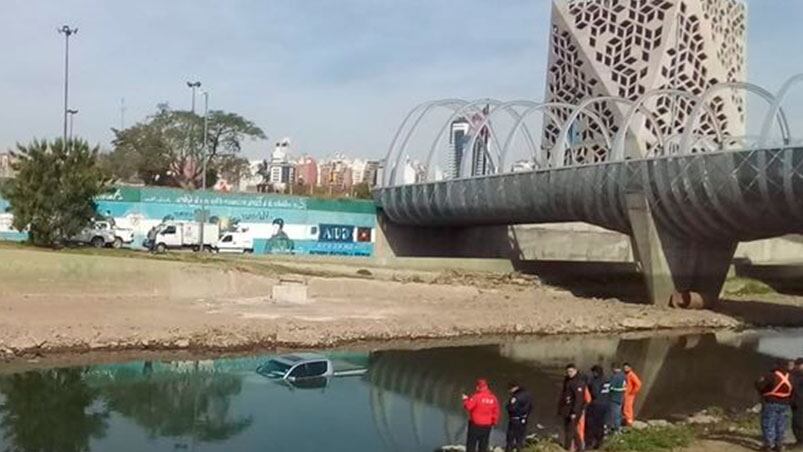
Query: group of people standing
column 589, row 406
column 781, row 389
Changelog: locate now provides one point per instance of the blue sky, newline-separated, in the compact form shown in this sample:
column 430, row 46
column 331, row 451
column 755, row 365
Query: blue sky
column 334, row 75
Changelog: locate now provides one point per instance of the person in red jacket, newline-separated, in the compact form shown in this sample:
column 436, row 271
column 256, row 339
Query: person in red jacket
column 483, row 413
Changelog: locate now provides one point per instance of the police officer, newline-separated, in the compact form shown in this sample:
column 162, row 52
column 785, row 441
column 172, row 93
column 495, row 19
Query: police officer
column 597, row 410
column 519, row 407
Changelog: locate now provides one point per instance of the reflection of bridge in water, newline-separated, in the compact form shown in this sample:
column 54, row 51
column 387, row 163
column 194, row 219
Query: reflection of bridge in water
column 416, row 394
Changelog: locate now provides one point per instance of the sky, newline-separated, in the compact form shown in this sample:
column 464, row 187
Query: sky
column 334, row 75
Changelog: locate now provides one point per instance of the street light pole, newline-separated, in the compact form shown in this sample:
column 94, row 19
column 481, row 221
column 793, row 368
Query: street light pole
column 72, row 114
column 193, row 86
column 67, row 32
column 203, row 165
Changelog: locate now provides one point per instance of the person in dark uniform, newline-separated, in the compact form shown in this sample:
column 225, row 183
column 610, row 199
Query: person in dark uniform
column 797, row 403
column 776, row 396
column 597, row 411
column 571, row 407
column 519, row 407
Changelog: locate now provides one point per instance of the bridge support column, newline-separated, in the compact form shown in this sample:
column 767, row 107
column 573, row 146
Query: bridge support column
column 673, row 266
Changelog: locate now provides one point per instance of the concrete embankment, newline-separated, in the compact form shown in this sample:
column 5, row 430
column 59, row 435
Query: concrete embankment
column 73, row 301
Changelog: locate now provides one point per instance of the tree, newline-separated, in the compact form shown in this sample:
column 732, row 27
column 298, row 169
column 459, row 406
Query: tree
column 362, row 191
column 53, row 192
column 167, row 148
column 50, row 410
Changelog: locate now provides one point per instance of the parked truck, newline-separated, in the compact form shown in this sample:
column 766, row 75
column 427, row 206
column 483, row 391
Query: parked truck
column 182, row 234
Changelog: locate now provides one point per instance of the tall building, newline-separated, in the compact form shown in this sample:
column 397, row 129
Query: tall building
column 336, row 175
column 307, row 171
column 281, row 172
column 460, row 132
column 626, row 48
column 364, row 171
column 458, row 135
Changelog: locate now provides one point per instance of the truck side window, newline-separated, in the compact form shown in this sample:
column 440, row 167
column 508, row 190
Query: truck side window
column 317, row 369
column 170, row 230
column 300, row 371
column 227, row 239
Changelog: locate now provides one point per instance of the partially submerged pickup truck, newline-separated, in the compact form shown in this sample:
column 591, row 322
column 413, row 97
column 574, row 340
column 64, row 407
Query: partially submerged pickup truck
column 300, row 368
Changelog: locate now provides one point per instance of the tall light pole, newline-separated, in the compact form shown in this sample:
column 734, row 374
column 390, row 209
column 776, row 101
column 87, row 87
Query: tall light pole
column 193, row 86
column 72, row 114
column 67, row 32
column 203, row 165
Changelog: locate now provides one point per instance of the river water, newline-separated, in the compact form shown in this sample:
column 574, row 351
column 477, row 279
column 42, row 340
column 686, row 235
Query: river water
column 408, row 400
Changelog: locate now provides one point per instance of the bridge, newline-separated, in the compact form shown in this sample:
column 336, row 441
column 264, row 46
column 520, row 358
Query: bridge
column 686, row 200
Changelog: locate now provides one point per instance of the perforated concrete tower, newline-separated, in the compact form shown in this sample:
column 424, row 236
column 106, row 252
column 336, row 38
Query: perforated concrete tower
column 626, row 48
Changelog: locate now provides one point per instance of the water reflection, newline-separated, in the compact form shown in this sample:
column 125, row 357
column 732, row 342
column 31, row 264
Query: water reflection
column 185, row 401
column 408, row 401
column 50, row 410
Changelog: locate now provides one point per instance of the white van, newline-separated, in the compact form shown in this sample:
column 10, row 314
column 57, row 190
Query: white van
column 235, row 242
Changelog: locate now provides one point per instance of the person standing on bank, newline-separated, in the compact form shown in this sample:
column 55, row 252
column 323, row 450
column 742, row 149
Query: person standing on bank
column 618, row 387
column 519, row 407
column 483, row 411
column 632, row 390
column 597, row 410
column 797, row 403
column 571, row 408
column 776, row 395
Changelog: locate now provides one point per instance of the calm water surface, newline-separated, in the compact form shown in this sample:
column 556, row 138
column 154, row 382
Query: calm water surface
column 407, row 400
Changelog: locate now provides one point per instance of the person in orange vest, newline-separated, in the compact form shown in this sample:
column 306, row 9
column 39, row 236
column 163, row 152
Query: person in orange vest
column 776, row 395
column 631, row 391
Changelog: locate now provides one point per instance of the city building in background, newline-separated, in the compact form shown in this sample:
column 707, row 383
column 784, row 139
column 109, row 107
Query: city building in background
column 480, row 161
column 6, row 160
column 458, row 135
column 626, row 49
column 336, row 175
column 307, row 171
column 282, row 172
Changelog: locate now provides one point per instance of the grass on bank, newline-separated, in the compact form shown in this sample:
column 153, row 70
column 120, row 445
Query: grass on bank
column 652, row 439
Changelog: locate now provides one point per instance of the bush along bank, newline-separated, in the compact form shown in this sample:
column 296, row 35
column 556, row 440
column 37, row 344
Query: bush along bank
column 735, row 430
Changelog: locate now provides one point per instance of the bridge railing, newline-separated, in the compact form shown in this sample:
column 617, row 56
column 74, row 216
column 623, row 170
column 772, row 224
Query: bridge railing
column 596, row 130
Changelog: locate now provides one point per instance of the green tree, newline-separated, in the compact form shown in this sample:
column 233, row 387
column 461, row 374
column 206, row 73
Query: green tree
column 167, row 148
column 362, row 191
column 53, row 192
column 50, row 410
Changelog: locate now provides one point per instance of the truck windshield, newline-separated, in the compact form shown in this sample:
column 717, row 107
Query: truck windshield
column 274, row 369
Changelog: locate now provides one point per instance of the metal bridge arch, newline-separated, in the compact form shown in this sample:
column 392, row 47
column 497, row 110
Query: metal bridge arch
column 546, row 108
column 424, row 108
column 685, row 142
column 775, row 110
column 559, row 150
column 619, row 140
column 486, row 122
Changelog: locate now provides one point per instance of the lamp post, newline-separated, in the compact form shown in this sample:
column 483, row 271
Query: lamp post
column 67, row 32
column 203, row 165
column 194, row 86
column 72, row 114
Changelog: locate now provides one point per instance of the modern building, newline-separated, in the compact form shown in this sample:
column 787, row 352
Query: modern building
column 460, row 132
column 627, row 48
column 307, row 171
column 281, row 172
column 458, row 135
column 364, row 171
column 336, row 175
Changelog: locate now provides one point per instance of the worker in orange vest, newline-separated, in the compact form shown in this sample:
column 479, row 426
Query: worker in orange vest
column 776, row 394
column 632, row 389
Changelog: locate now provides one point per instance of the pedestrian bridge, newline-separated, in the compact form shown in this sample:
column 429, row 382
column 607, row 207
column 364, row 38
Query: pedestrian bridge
column 686, row 200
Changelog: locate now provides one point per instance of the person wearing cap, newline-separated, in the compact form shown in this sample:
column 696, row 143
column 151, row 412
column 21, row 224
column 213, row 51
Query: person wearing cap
column 519, row 407
column 483, row 412
column 776, row 396
column 797, row 403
